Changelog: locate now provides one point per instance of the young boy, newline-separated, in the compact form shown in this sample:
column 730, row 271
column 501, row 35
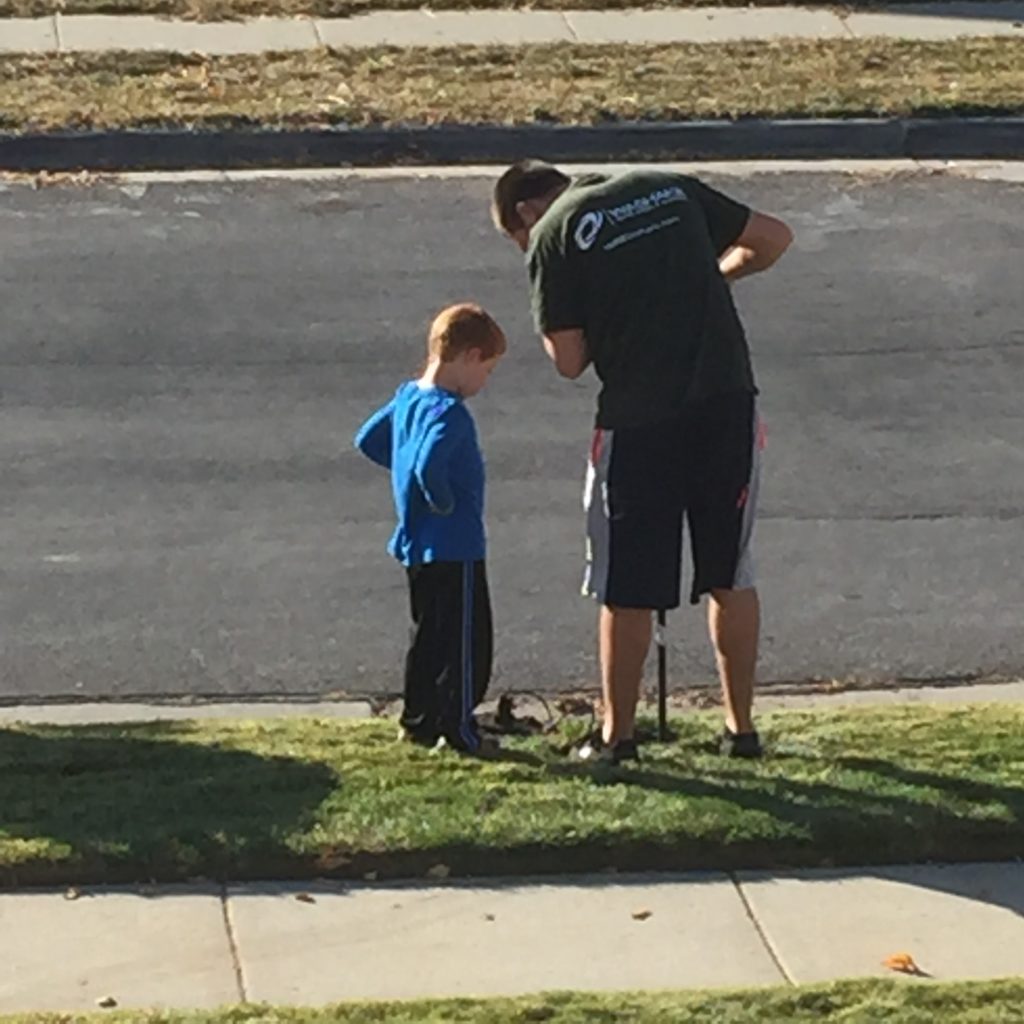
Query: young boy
column 426, row 436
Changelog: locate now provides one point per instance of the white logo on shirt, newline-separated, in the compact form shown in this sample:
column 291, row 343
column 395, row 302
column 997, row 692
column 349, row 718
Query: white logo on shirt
column 645, row 204
column 588, row 229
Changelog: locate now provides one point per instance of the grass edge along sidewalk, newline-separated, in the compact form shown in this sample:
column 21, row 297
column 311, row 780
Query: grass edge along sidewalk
column 557, row 83
column 844, row 1002
column 317, row 798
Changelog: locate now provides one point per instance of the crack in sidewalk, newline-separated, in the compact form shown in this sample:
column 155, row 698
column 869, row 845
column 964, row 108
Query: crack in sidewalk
column 236, row 959
column 762, row 934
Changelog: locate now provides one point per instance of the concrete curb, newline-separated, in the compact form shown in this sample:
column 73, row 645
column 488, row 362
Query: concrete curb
column 946, row 138
column 122, row 712
column 681, row 702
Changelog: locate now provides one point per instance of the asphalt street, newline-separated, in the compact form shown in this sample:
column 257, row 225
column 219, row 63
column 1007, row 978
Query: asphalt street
column 183, row 367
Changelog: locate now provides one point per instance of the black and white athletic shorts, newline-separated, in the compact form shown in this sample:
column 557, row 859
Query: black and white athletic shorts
column 642, row 481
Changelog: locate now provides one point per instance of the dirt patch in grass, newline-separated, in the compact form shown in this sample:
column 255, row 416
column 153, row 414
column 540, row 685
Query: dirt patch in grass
column 555, row 83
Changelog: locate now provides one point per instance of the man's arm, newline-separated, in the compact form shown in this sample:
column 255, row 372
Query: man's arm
column 558, row 307
column 567, row 349
column 761, row 242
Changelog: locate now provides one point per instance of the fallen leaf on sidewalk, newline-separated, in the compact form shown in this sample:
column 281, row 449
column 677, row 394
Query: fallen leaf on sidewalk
column 641, row 915
column 488, row 917
column 439, row 871
column 106, row 1002
column 902, row 962
column 304, row 897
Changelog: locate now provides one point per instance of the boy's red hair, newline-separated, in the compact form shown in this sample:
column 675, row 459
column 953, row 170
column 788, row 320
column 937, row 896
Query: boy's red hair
column 462, row 327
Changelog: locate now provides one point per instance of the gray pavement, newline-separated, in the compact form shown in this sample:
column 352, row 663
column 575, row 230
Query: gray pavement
column 150, row 948
column 202, row 946
column 185, row 364
column 452, row 28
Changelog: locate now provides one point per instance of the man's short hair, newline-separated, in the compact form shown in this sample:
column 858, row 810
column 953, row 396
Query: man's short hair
column 462, row 327
column 524, row 180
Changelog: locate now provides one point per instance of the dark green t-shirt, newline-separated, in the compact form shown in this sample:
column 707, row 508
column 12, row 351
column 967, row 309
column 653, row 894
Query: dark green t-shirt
column 633, row 261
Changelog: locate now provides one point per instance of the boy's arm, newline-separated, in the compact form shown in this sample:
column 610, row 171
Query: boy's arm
column 374, row 436
column 433, row 463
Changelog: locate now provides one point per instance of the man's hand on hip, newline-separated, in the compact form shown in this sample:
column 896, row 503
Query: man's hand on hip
column 761, row 243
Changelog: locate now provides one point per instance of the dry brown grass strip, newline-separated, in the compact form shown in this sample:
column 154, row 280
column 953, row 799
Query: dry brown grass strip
column 511, row 85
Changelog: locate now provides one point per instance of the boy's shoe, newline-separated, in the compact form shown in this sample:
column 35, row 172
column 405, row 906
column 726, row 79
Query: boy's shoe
column 596, row 751
column 487, row 746
column 741, row 744
column 419, row 739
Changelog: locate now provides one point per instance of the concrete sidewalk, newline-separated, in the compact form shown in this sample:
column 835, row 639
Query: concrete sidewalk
column 680, row 702
column 207, row 945
column 935, row 21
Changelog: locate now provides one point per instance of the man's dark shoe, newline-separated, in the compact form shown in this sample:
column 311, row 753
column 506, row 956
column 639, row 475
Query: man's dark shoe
column 595, row 751
column 741, row 744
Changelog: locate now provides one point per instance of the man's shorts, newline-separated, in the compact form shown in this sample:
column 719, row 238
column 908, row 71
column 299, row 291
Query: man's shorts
column 642, row 481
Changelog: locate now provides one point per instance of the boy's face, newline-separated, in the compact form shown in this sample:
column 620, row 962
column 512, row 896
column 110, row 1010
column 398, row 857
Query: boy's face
column 475, row 371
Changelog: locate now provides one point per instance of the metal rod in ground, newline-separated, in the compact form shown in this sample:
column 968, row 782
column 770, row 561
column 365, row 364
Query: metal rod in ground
column 661, row 641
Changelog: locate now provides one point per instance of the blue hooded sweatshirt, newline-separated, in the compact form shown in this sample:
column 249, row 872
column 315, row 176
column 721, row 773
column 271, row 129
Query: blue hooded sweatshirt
column 427, row 438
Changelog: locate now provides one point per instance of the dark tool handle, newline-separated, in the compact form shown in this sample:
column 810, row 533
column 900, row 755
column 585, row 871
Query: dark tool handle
column 662, row 678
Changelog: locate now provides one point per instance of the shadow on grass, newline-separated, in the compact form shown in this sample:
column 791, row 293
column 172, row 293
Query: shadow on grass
column 139, row 803
column 853, row 812
column 894, row 816
column 873, row 822
column 117, row 804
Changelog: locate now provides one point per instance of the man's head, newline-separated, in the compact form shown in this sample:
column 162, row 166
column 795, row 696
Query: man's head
column 522, row 195
column 468, row 340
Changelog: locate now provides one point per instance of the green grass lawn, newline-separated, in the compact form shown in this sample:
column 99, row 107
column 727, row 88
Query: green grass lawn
column 300, row 798
column 854, row 1002
column 211, row 10
column 557, row 83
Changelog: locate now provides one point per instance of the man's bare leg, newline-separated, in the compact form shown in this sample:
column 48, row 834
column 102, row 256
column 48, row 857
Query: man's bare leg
column 734, row 621
column 625, row 636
